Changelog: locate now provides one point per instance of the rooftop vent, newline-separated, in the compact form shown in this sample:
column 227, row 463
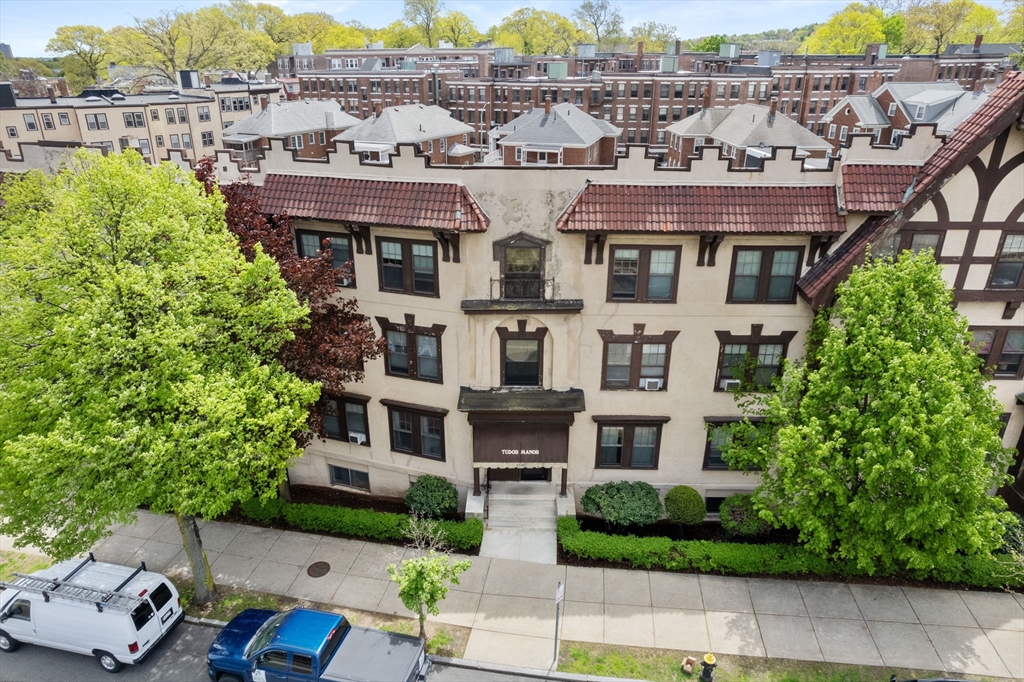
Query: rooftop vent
column 118, row 96
column 173, row 96
column 93, row 98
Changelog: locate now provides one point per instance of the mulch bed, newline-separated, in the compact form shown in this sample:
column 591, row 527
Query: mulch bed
column 709, row 530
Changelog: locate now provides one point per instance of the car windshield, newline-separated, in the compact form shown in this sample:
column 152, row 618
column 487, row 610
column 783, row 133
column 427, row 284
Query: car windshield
column 264, row 634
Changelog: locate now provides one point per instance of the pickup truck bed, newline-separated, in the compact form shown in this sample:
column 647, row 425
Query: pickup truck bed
column 367, row 655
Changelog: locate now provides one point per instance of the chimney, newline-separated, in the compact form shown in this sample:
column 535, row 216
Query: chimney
column 771, row 111
column 206, row 81
column 679, row 47
column 547, row 106
column 50, row 94
column 639, row 55
column 264, row 102
column 377, row 109
column 977, row 43
column 706, row 100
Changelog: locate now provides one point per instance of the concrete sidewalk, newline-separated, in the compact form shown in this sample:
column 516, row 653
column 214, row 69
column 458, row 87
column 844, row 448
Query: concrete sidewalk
column 510, row 604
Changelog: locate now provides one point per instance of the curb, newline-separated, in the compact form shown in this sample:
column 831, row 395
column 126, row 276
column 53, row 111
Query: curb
column 208, row 622
column 526, row 673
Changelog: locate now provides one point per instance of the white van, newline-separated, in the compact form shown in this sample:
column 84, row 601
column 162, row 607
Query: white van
column 115, row 613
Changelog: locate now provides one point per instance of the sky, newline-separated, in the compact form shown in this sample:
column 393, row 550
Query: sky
column 26, row 25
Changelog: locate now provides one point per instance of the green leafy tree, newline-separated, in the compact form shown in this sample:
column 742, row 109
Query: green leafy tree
column 423, row 583
column 138, row 357
column 339, row 36
column 883, row 445
column 602, row 20
column 533, row 31
column 930, row 26
column 84, row 53
column 654, row 35
column 399, row 34
column 982, row 20
column 424, row 15
column 457, row 29
column 894, row 27
column 709, row 44
column 848, row 31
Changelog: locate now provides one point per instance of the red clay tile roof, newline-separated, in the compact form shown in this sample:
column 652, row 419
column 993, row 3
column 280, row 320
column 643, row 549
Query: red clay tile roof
column 971, row 137
column 422, row 205
column 874, row 187
column 699, row 209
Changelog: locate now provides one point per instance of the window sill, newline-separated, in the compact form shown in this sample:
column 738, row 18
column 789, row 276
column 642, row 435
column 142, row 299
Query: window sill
column 406, row 376
column 421, row 456
column 484, row 306
column 339, row 439
column 408, row 293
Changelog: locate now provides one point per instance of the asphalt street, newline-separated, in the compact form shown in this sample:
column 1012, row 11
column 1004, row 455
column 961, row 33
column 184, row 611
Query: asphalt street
column 181, row 658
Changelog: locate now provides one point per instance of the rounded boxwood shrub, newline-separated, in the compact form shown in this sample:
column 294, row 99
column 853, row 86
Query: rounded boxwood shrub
column 432, row 496
column 624, row 503
column 685, row 505
column 739, row 517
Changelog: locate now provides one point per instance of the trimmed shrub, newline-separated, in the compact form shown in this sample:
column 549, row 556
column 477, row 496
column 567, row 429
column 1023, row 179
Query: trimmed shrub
column 263, row 511
column 685, row 505
column 739, row 517
column 432, row 497
column 624, row 503
column 731, row 558
column 361, row 523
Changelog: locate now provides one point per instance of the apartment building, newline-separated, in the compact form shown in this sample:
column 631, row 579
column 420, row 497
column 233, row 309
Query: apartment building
column 152, row 124
column 308, row 126
column 559, row 135
column 583, row 325
column 432, row 131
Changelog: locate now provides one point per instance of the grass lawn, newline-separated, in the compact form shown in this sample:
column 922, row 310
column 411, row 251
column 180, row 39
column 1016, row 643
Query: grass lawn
column 442, row 640
column 12, row 562
column 660, row 665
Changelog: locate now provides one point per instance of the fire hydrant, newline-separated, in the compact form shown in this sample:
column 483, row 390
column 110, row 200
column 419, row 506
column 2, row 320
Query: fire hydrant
column 707, row 668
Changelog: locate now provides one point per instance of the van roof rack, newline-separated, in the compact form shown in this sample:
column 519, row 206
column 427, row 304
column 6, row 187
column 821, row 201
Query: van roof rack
column 54, row 587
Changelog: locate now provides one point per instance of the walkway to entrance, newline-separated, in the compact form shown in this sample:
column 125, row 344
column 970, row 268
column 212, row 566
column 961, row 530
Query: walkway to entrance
column 521, row 521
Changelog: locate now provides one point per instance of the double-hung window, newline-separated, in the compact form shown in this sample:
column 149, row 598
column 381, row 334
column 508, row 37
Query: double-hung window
column 1006, row 273
column 636, row 361
column 628, row 444
column 47, row 121
column 309, row 244
column 96, row 121
column 912, row 241
column 753, row 360
column 30, row 122
column 406, row 266
column 203, row 113
column 1001, row 351
column 134, row 120
column 64, row 119
column 717, row 438
column 413, row 352
column 643, row 274
column 522, row 355
column 416, row 430
column 169, row 115
column 345, row 419
column 764, row 274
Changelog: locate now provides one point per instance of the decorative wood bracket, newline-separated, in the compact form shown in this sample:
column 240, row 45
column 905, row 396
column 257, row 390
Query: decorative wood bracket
column 449, row 242
column 595, row 242
column 361, row 236
column 820, row 246
column 1010, row 310
column 709, row 244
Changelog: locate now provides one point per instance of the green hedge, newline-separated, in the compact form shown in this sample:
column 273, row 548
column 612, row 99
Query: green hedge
column 733, row 558
column 363, row 523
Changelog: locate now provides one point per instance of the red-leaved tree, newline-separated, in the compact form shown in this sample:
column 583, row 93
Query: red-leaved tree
column 332, row 348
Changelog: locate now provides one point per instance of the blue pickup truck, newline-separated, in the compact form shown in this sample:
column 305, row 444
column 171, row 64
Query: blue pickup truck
column 303, row 645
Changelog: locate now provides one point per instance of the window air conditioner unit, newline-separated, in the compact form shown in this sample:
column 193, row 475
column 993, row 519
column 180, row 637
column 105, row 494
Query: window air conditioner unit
column 357, row 438
column 651, row 384
column 346, row 281
column 730, row 384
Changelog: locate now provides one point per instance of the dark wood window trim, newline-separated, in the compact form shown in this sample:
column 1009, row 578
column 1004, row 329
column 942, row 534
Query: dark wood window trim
column 521, row 286
column 335, row 407
column 904, row 241
column 999, row 335
column 764, row 274
column 999, row 253
column 417, row 414
column 637, row 340
column 345, row 270
column 628, row 424
column 753, row 341
column 643, row 272
column 412, row 332
column 520, row 334
column 710, row 424
column 408, row 280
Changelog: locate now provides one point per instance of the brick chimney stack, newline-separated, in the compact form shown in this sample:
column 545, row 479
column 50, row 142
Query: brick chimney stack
column 977, row 43
column 639, row 56
column 264, row 102
column 771, row 110
column 547, row 106
column 679, row 47
column 206, row 81
column 705, row 102
column 50, row 94
column 377, row 109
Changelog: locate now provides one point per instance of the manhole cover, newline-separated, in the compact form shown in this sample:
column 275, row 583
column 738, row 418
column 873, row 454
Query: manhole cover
column 318, row 569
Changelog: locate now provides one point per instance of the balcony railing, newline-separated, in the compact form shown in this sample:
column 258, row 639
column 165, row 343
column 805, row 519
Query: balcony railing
column 521, row 289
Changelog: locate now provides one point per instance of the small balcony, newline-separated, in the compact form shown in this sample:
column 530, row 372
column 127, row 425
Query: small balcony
column 522, row 294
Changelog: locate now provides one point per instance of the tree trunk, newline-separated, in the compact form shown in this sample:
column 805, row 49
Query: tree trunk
column 202, row 577
column 284, row 490
column 423, row 624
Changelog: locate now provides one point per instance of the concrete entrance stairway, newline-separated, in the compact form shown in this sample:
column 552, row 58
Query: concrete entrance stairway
column 521, row 521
